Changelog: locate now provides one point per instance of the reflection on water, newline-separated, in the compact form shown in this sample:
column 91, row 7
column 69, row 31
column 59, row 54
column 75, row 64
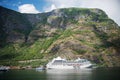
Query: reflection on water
column 89, row 74
column 69, row 74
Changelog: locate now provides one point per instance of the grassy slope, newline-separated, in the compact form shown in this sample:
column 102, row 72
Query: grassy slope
column 96, row 38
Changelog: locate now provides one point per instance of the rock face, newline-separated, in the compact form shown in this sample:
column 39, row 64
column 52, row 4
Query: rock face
column 68, row 32
column 14, row 26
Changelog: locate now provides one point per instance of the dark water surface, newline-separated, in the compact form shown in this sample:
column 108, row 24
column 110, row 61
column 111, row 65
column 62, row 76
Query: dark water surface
column 89, row 74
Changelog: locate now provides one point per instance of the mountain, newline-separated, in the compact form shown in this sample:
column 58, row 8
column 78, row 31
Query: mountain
column 67, row 32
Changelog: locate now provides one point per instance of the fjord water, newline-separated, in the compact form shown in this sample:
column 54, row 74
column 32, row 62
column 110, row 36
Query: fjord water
column 87, row 74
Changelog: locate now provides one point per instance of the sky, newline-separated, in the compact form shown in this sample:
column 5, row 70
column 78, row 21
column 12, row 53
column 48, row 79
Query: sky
column 111, row 7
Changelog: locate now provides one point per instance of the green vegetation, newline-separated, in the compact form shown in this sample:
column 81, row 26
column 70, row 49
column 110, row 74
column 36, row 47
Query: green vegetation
column 70, row 32
column 66, row 33
column 81, row 51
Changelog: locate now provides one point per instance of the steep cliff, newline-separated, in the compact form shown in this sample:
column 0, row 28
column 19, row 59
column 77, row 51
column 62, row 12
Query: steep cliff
column 68, row 32
column 14, row 26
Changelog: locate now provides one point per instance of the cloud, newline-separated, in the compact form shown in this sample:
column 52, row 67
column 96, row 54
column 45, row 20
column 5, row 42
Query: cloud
column 52, row 7
column 111, row 7
column 27, row 8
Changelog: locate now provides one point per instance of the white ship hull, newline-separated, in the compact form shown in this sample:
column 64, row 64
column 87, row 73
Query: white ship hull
column 59, row 63
column 69, row 67
column 60, row 67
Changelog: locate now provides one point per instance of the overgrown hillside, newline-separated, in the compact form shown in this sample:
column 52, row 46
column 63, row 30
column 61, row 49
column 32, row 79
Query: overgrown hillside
column 69, row 33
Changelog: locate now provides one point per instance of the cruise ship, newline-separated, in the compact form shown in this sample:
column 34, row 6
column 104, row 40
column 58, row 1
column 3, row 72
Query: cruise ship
column 59, row 63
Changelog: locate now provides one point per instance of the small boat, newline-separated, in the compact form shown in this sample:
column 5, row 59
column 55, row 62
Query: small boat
column 59, row 63
column 4, row 68
column 40, row 68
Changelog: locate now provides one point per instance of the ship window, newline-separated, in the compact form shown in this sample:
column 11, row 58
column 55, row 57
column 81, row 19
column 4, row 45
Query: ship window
column 57, row 62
